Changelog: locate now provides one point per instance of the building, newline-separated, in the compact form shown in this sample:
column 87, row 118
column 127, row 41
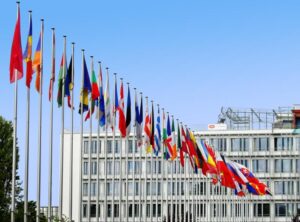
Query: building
column 267, row 142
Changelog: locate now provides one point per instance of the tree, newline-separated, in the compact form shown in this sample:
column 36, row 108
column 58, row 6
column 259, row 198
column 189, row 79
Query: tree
column 6, row 156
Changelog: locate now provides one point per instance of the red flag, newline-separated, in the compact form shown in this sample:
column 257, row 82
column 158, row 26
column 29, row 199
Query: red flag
column 122, row 121
column 16, row 57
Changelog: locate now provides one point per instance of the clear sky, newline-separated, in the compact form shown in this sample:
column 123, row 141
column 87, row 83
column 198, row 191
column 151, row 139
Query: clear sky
column 191, row 57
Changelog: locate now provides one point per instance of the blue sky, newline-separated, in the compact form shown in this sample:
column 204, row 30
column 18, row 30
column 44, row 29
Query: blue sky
column 191, row 57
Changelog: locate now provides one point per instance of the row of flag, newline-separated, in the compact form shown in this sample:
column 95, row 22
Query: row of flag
column 156, row 135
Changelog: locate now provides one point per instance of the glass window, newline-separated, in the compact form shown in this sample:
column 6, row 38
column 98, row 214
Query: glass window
column 117, row 146
column 109, row 210
column 84, row 210
column 94, row 168
column 137, row 168
column 136, row 189
column 283, row 209
column 260, row 166
column 130, row 167
column 148, row 210
column 85, row 168
column 109, row 188
column 85, row 189
column 297, row 143
column 218, row 144
column 94, row 146
column 117, row 167
column 298, row 166
column 261, row 210
column 283, row 143
column 261, row 144
column 93, row 188
column 130, row 146
column 86, row 147
column 239, row 144
column 109, row 170
column 148, row 189
column 117, row 188
column 148, row 167
column 130, row 188
column 93, row 210
column 109, row 146
column 116, row 212
column 284, row 187
column 283, row 165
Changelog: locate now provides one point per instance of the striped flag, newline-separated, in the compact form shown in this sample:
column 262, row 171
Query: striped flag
column 87, row 88
column 69, row 82
column 28, row 54
column 128, row 113
column 108, row 116
column 36, row 64
column 122, row 121
column 157, row 134
column 139, row 120
column 62, row 70
column 100, row 104
column 94, row 95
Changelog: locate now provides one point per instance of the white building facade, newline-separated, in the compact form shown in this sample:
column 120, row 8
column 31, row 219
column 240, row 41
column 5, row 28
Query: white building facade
column 129, row 185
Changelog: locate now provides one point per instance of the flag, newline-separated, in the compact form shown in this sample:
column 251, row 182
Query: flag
column 122, row 121
column 165, row 138
column 94, row 94
column 181, row 154
column 174, row 147
column 52, row 79
column 128, row 113
column 36, row 64
column 16, row 57
column 108, row 117
column 28, row 54
column 158, row 134
column 69, row 82
column 152, row 141
column 139, row 121
column 116, row 105
column 225, row 175
column 101, row 106
column 147, row 129
column 87, row 88
column 62, row 70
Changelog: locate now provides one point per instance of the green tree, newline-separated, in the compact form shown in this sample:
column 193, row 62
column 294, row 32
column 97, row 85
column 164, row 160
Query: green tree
column 31, row 212
column 6, row 154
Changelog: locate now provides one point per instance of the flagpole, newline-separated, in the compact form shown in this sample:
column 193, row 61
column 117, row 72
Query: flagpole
column 134, row 152
column 81, row 139
column 27, row 146
column 71, row 140
column 113, row 151
column 51, row 130
column 105, row 157
column 98, row 146
column 14, row 158
column 172, row 190
column 126, row 156
column 162, row 169
column 151, row 174
column 62, row 134
column 40, row 129
column 120, row 180
column 145, row 185
column 140, row 176
column 178, row 184
column 90, row 147
column 157, row 169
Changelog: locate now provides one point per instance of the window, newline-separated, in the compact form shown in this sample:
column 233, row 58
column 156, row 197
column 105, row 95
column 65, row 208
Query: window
column 137, row 167
column 297, row 143
column 136, row 210
column 261, row 210
column 130, row 146
column 283, row 165
column 109, row 167
column 148, row 188
column 93, row 188
column 85, row 168
column 158, row 188
column 117, row 146
column 148, row 167
column 243, row 162
column 261, row 144
column 109, row 210
column 298, row 166
column 94, row 168
column 136, row 188
column 130, row 210
column 117, row 167
column 283, row 143
column 148, row 210
column 130, row 167
column 284, row 187
column 239, row 144
column 85, row 189
column 84, row 210
column 94, row 146
column 283, row 209
column 109, row 146
column 116, row 212
column 219, row 144
column 86, row 147
column 260, row 166
column 117, row 188
column 130, row 188
column 93, row 210
column 109, row 188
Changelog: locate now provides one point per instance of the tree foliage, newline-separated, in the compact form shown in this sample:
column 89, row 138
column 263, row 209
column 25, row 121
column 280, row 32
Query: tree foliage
column 6, row 156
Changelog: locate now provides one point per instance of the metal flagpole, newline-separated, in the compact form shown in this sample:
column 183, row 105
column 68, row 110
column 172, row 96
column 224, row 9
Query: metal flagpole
column 172, row 190
column 134, row 144
column 151, row 174
column 162, row 167
column 51, row 129
column 62, row 135
column 98, row 144
column 180, row 176
column 27, row 146
column 157, row 170
column 71, row 140
column 140, row 175
column 90, row 148
column 40, row 129
column 15, row 140
column 121, row 175
column 127, row 172
column 107, row 111
column 113, row 151
column 81, row 140
column 145, row 185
